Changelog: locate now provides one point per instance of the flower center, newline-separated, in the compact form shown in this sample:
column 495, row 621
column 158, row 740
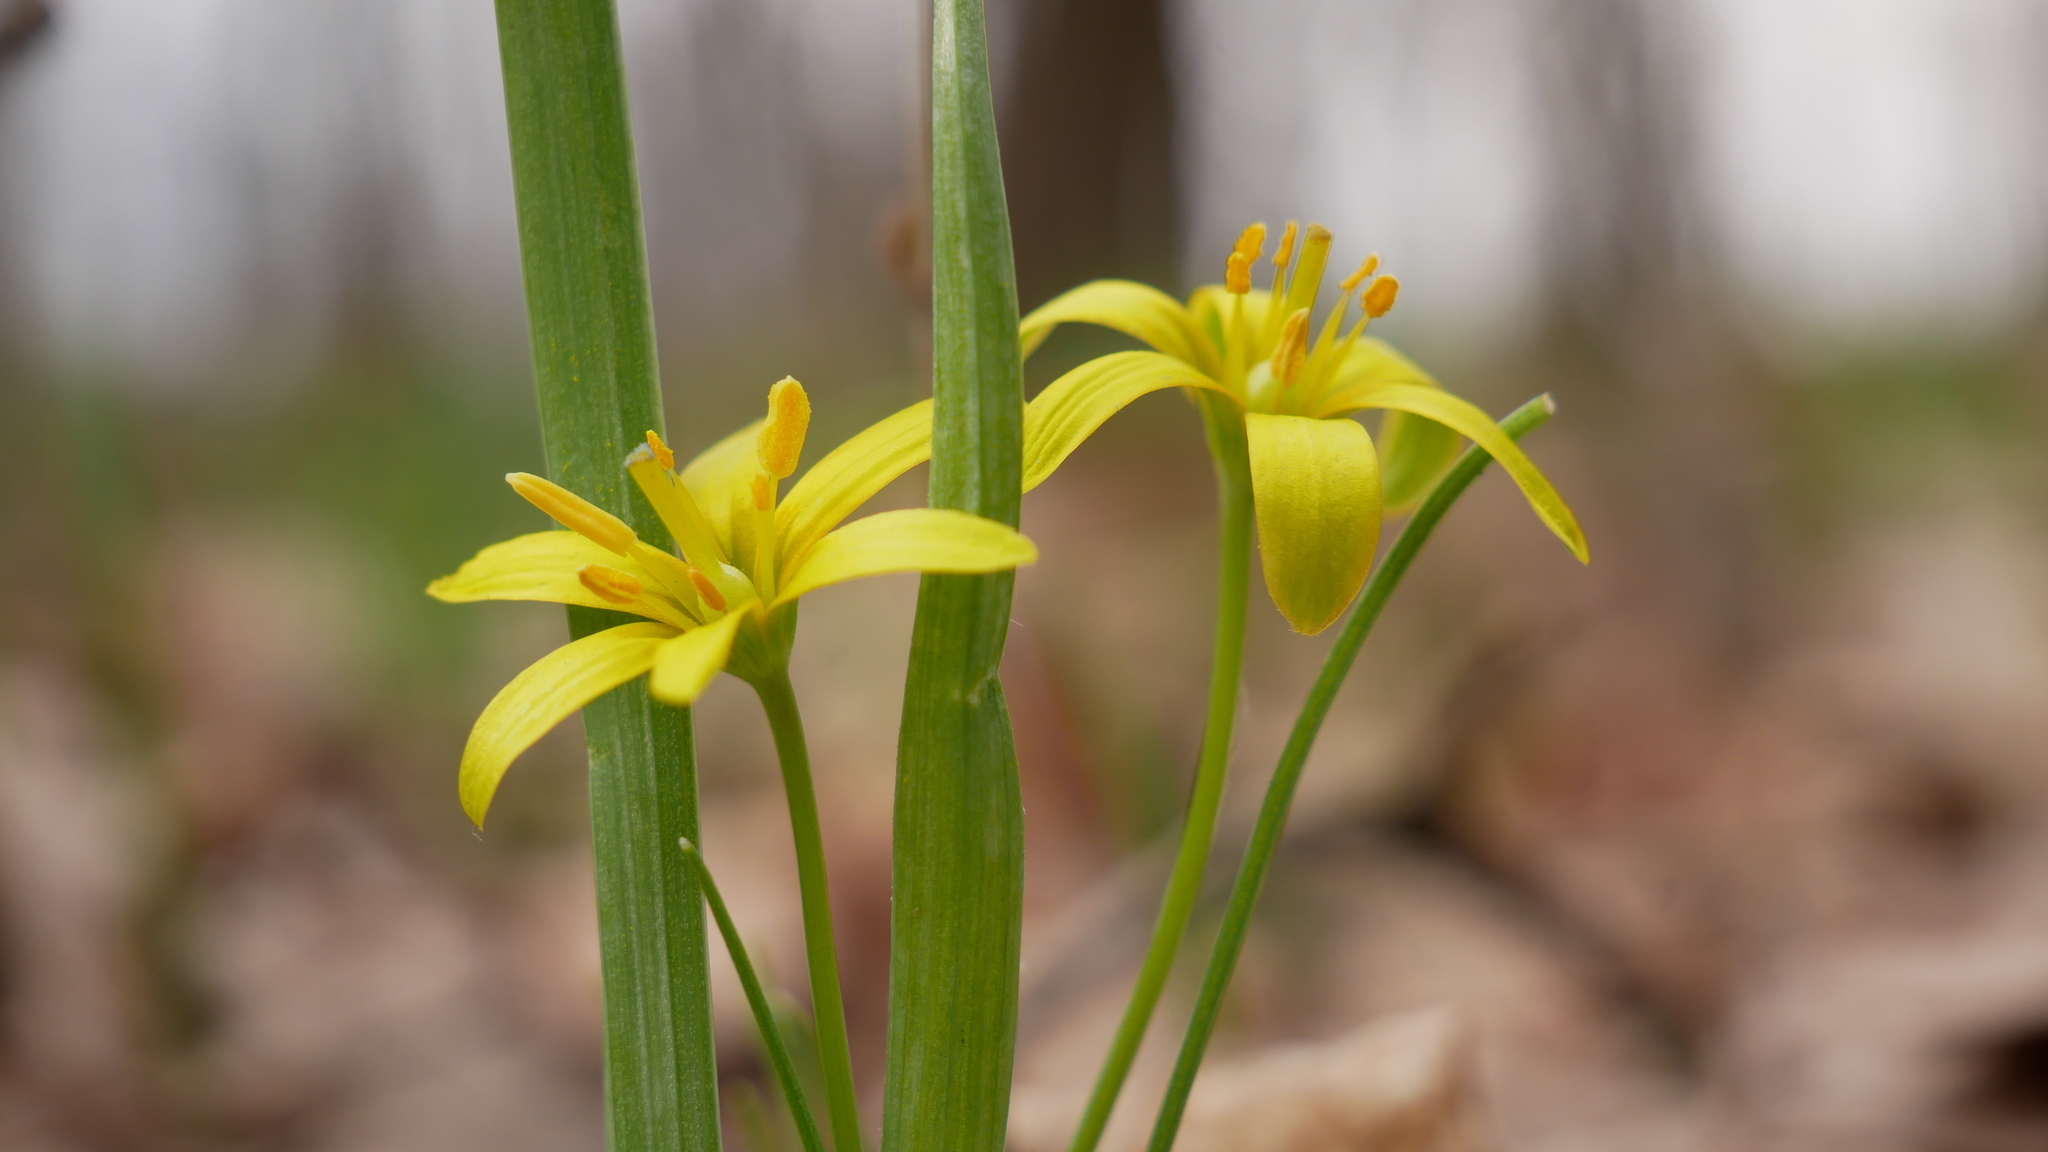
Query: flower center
column 1270, row 360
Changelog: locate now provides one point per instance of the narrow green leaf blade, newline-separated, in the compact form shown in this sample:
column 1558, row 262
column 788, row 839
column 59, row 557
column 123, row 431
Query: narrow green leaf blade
column 594, row 368
column 959, row 850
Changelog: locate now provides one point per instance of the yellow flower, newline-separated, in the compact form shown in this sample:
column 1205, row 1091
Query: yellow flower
column 729, row 601
column 1316, row 477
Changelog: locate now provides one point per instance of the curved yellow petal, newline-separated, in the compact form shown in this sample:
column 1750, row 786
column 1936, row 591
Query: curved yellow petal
column 1462, row 417
column 1414, row 454
column 686, row 665
column 1316, row 492
column 910, row 540
column 544, row 695
column 1135, row 309
column 1210, row 306
column 722, row 475
column 849, row 476
column 1072, row 407
column 543, row 566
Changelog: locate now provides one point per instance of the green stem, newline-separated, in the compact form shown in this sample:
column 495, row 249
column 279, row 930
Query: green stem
column 757, row 1000
column 1258, row 855
column 595, row 373
column 778, row 700
column 1233, row 571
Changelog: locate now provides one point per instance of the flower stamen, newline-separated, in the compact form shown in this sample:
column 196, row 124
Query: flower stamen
column 1237, row 271
column 1282, row 256
column 1292, row 349
column 574, row 512
column 1379, row 296
column 661, row 451
column 709, row 591
column 610, row 584
column 672, row 501
column 781, row 441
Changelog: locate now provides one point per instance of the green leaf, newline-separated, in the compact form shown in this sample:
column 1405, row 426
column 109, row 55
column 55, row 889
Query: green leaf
column 594, row 368
column 958, row 905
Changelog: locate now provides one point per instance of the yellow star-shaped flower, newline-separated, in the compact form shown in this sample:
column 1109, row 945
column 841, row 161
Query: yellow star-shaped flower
column 1316, row 477
column 728, row 602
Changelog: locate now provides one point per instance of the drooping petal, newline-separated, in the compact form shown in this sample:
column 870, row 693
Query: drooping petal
column 686, row 665
column 1316, row 493
column 850, row 475
column 1414, row 454
column 910, row 540
column 722, row 476
column 555, row 686
column 1367, row 363
column 543, row 566
column 1072, row 407
column 1210, row 306
column 1468, row 421
column 1137, row 310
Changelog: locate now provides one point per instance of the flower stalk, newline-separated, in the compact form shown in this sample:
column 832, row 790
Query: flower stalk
column 778, row 701
column 757, row 1002
column 1198, row 833
column 1279, row 798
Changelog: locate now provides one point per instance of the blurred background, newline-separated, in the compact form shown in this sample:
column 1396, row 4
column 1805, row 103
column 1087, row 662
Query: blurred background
column 1736, row 839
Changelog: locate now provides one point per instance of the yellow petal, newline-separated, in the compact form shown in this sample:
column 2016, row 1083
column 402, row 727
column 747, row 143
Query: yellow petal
column 1367, row 363
column 850, row 475
column 544, row 695
column 1316, row 491
column 1414, row 454
column 911, row 540
column 723, row 475
column 543, row 566
column 1210, row 307
column 1134, row 309
column 1463, row 417
column 1072, row 407
column 686, row 665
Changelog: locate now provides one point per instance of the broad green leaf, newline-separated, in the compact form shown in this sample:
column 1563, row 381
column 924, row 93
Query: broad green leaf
column 592, row 336
column 957, row 908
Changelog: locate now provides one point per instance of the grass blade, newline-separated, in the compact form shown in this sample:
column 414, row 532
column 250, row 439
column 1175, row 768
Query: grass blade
column 594, row 368
column 957, row 916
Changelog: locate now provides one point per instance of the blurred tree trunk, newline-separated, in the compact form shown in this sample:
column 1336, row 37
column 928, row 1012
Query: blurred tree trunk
column 1642, row 311
column 1088, row 147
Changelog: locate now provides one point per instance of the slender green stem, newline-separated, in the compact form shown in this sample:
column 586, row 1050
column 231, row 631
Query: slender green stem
column 1233, row 571
column 778, row 700
column 1258, row 855
column 764, row 1016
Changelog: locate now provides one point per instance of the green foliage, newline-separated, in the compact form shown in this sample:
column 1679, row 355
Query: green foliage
column 959, row 838
column 594, row 367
